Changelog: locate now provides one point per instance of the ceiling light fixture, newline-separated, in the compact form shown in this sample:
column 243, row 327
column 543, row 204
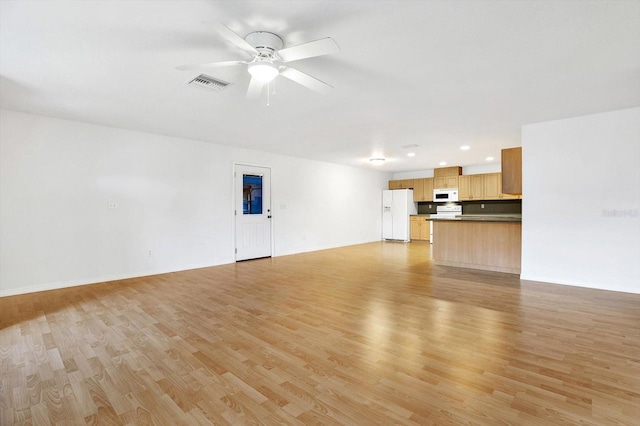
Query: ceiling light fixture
column 411, row 154
column 465, row 147
column 263, row 71
column 376, row 161
column 489, row 158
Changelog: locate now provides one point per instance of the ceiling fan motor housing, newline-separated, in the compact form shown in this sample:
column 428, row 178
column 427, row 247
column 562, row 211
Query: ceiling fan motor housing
column 265, row 42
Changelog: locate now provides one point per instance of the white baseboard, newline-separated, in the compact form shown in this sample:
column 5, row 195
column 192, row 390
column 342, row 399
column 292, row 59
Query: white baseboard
column 548, row 280
column 24, row 289
column 95, row 280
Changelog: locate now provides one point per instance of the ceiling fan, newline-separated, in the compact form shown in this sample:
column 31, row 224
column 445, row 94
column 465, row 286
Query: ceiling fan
column 267, row 57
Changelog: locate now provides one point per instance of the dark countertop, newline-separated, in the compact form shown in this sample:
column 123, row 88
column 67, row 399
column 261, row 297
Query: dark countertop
column 482, row 218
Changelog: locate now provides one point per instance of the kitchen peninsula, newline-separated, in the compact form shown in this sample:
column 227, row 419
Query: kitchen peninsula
column 487, row 242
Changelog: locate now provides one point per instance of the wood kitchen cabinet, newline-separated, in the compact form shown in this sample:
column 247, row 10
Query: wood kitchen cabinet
column 428, row 189
column 512, row 170
column 445, row 182
column 420, row 228
column 446, row 177
column 414, row 227
column 425, row 229
column 395, row 184
column 447, row 171
column 401, row 184
column 471, row 187
column 492, row 183
column 423, row 189
column 478, row 187
column 418, row 190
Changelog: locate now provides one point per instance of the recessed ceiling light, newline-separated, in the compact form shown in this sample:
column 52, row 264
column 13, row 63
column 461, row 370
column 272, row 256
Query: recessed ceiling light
column 489, row 158
column 443, row 163
column 411, row 154
column 376, row 161
column 465, row 147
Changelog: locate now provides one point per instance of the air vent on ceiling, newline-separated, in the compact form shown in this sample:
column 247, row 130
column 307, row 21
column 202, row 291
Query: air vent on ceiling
column 208, row 82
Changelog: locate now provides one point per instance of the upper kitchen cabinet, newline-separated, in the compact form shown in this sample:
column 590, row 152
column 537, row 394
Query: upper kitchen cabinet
column 418, row 190
column 512, row 171
column 447, row 171
column 471, row 187
column 407, row 183
column 428, row 189
column 492, row 184
column 401, row 184
column 423, row 189
column 445, row 182
column 446, row 177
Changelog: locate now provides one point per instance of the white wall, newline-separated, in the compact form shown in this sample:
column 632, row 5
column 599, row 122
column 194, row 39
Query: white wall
column 581, row 186
column 479, row 169
column 174, row 199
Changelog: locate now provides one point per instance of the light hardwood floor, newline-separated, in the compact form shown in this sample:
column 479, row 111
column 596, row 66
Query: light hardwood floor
column 362, row 335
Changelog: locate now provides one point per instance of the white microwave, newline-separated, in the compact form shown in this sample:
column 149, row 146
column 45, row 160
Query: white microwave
column 445, row 195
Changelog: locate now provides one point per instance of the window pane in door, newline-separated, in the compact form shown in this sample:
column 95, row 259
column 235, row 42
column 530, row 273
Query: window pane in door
column 251, row 194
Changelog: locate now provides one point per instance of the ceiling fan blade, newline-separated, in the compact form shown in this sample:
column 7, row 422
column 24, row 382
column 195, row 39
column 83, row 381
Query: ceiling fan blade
column 234, row 38
column 324, row 46
column 210, row 65
column 305, row 79
column 255, row 89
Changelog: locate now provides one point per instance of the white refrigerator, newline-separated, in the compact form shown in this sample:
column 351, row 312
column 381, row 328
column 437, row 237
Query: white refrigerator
column 397, row 205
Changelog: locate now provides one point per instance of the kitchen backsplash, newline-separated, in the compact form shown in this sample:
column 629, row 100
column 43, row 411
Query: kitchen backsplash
column 427, row 208
column 475, row 207
column 492, row 207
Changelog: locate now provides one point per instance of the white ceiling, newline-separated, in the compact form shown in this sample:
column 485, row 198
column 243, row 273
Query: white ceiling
column 438, row 74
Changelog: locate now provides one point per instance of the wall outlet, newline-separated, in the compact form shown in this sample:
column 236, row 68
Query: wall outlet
column 112, row 205
column 482, row 206
column 150, row 253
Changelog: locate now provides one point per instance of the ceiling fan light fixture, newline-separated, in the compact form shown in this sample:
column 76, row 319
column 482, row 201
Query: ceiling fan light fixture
column 263, row 71
column 376, row 161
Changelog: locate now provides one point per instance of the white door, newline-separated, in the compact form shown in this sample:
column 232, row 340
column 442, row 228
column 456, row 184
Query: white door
column 253, row 212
